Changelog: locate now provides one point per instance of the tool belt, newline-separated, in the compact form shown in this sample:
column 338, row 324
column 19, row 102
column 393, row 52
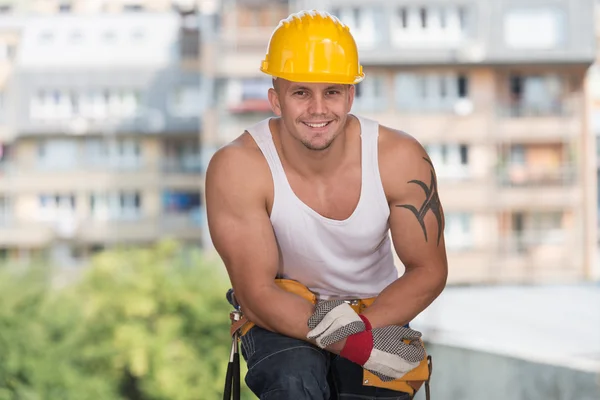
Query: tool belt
column 410, row 383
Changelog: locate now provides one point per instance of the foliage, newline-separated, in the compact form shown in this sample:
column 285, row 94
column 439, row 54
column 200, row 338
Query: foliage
column 137, row 324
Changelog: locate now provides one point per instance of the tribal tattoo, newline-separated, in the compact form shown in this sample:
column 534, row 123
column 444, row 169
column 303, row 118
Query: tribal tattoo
column 432, row 203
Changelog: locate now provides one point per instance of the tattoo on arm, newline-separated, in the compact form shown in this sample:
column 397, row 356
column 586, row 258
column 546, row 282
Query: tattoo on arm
column 432, row 203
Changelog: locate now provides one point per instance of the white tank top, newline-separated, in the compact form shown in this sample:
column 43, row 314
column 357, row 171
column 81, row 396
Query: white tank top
column 349, row 258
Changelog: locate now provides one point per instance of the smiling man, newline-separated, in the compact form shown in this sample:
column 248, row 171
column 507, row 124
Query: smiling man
column 321, row 197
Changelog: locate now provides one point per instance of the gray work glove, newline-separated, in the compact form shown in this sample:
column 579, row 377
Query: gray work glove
column 332, row 321
column 383, row 351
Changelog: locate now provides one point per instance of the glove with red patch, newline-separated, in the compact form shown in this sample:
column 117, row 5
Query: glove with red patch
column 384, row 351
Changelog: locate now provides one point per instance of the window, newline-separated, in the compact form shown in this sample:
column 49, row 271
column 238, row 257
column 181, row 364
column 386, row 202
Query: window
column 458, row 230
column 517, row 154
column 56, row 206
column 541, row 27
column 122, row 205
column 358, row 89
column 76, row 37
column 534, row 95
column 5, row 210
column 123, row 153
column 180, row 202
column 429, row 26
column 464, row 154
column 57, row 154
column 369, row 94
column 462, row 18
column 363, row 22
column 443, row 17
column 423, row 15
column 133, row 8
column 450, row 160
column 186, row 101
column 403, row 17
column 182, row 156
column 430, row 92
column 46, row 37
column 463, row 87
column 443, row 87
column 109, row 36
column 64, row 8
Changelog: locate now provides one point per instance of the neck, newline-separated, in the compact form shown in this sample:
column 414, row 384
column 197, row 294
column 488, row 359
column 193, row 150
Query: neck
column 309, row 162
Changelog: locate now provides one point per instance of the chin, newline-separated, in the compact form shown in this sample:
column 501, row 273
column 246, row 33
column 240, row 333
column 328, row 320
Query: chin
column 317, row 145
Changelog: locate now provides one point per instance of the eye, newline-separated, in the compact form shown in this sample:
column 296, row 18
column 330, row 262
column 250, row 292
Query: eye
column 300, row 93
column 333, row 92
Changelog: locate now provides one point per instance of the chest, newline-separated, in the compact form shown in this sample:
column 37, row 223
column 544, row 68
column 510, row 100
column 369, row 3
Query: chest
column 335, row 197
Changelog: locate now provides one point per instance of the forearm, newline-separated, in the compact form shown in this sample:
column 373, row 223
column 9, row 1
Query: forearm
column 404, row 299
column 278, row 311
column 272, row 310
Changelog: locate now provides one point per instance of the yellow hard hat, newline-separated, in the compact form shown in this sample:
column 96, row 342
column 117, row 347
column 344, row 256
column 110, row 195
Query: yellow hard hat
column 313, row 46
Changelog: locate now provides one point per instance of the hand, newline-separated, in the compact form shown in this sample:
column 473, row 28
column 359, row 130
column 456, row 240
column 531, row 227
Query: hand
column 383, row 351
column 332, row 321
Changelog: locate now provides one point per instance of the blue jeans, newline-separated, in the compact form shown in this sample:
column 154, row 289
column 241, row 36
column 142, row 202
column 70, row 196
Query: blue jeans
column 283, row 368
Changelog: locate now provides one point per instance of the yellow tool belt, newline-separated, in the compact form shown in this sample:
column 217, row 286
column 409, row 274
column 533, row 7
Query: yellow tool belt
column 409, row 383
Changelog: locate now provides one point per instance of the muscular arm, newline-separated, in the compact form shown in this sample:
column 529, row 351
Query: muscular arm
column 237, row 183
column 416, row 225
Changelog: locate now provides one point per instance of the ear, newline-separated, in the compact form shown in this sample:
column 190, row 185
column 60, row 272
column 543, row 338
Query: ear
column 274, row 102
column 351, row 93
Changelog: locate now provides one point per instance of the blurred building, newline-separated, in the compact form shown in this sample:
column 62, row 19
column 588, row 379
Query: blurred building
column 494, row 90
column 52, row 7
column 235, row 42
column 101, row 141
column 594, row 98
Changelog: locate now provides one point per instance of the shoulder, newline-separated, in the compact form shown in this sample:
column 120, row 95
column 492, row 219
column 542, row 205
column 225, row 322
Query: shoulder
column 238, row 165
column 402, row 158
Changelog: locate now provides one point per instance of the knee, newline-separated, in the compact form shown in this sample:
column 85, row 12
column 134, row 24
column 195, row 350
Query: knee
column 299, row 373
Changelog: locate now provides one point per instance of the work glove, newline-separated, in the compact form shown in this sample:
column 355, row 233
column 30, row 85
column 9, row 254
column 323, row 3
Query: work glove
column 383, row 351
column 332, row 321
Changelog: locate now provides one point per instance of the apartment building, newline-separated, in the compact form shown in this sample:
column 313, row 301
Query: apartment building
column 494, row 90
column 52, row 7
column 594, row 100
column 234, row 43
column 101, row 145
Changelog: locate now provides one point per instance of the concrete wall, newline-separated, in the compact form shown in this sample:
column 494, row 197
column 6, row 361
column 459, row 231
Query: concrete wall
column 461, row 374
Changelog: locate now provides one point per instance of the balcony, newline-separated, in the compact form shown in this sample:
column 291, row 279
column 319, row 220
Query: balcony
column 435, row 126
column 78, row 177
column 233, row 125
column 25, row 234
column 539, row 256
column 183, row 173
column 245, row 38
column 521, row 186
column 471, row 194
column 184, row 226
column 240, row 51
column 558, row 120
column 535, row 176
column 140, row 230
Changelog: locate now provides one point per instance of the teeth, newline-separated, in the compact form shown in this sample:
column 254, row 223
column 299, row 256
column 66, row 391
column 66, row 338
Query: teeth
column 316, row 125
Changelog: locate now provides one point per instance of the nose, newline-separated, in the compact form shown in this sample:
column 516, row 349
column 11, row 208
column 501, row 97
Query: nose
column 318, row 105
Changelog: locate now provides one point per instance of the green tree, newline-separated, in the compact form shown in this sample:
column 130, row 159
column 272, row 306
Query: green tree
column 140, row 324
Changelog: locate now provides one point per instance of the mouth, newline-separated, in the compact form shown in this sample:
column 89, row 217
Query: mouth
column 317, row 125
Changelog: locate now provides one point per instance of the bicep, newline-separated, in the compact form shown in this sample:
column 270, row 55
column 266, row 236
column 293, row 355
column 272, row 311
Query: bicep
column 246, row 243
column 417, row 217
column 239, row 223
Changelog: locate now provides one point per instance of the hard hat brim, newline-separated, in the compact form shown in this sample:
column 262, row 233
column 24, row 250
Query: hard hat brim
column 317, row 78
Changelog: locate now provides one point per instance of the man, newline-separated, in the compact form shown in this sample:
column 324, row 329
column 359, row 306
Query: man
column 313, row 195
